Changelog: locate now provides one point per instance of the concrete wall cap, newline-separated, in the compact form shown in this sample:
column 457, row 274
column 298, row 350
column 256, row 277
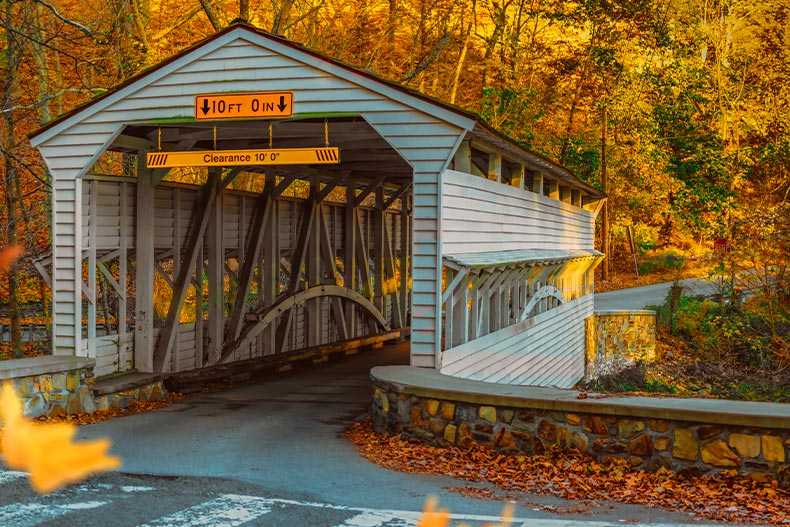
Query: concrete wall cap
column 424, row 382
column 15, row 368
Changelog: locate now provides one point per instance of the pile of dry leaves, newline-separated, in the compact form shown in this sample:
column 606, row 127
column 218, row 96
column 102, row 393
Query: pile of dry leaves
column 568, row 474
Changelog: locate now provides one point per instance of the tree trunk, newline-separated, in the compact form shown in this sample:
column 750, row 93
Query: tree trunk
column 10, row 98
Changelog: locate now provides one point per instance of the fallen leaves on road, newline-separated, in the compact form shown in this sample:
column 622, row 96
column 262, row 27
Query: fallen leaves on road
column 47, row 452
column 136, row 407
column 568, row 474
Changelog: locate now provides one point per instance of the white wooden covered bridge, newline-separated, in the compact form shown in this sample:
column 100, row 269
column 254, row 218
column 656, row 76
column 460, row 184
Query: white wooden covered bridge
column 179, row 240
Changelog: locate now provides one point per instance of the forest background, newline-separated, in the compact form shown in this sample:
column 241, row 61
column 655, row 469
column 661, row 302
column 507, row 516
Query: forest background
column 685, row 103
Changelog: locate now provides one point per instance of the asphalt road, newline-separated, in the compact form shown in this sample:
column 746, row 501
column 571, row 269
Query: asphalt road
column 272, row 453
column 649, row 295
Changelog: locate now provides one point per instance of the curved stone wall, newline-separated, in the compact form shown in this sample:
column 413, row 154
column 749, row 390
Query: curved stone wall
column 667, row 433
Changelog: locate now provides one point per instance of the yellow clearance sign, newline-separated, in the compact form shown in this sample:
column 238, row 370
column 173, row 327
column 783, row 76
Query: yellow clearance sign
column 229, row 158
column 244, row 105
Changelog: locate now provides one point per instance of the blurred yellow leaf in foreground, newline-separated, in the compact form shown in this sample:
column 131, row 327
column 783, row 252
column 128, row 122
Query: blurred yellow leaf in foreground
column 431, row 517
column 47, row 452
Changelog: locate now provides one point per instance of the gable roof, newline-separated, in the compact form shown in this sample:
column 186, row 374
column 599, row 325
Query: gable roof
column 439, row 109
column 239, row 25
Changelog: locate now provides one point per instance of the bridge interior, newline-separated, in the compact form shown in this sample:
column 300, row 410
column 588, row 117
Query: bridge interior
column 208, row 265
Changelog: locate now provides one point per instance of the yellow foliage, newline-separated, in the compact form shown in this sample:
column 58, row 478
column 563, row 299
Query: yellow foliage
column 47, row 452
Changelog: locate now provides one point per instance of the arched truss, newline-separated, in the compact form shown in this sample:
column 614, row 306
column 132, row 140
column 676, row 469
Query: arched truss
column 547, row 291
column 272, row 313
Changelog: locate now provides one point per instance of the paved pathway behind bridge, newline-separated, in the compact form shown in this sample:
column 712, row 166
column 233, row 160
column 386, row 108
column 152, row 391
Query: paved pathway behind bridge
column 649, row 295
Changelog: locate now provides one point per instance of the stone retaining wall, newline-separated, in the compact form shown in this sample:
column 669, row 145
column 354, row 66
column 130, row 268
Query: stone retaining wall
column 616, row 339
column 53, row 386
column 645, row 442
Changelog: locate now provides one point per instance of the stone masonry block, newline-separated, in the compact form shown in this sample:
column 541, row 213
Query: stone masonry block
column 431, row 407
column 447, row 411
column 718, row 454
column 488, row 413
column 746, row 445
column 628, row 428
column 44, row 383
column 685, row 446
column 773, row 449
column 59, row 381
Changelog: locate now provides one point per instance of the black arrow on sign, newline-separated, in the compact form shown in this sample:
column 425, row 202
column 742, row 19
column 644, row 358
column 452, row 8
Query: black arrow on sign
column 282, row 106
column 205, row 106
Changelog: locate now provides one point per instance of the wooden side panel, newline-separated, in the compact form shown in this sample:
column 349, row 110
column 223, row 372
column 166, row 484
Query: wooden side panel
column 545, row 350
column 66, row 264
column 107, row 355
column 483, row 216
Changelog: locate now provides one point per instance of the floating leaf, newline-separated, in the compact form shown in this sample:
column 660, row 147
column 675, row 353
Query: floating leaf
column 47, row 452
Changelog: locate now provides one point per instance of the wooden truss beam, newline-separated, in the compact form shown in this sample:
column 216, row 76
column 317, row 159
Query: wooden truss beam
column 197, row 229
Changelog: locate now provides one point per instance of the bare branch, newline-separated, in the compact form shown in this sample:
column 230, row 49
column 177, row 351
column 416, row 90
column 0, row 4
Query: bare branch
column 70, row 22
column 212, row 16
column 47, row 99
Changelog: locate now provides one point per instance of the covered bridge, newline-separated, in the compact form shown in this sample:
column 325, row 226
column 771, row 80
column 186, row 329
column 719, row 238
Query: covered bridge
column 250, row 197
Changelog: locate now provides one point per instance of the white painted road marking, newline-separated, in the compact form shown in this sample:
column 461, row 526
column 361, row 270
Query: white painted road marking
column 10, row 475
column 31, row 514
column 229, row 510
column 234, row 510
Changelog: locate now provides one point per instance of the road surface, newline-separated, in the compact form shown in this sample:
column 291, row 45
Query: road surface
column 649, row 295
column 272, row 453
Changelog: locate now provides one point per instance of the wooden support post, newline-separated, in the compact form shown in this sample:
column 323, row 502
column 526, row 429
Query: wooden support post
column 537, row 183
column 216, row 278
column 363, row 260
column 176, row 267
column 576, row 197
column 495, row 167
column 270, row 284
column 460, row 326
column 314, row 307
column 200, row 358
column 392, row 296
column 378, row 250
column 144, row 273
column 449, row 318
column 519, row 173
column 349, row 256
column 462, row 161
column 92, row 298
column 554, row 189
column 328, row 257
column 405, row 245
column 123, row 269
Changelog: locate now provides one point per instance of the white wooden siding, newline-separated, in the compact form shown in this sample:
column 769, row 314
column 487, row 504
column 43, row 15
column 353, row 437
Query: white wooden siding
column 479, row 215
column 545, row 350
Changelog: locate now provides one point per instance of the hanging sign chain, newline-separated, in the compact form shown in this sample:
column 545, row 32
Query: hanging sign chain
column 159, row 139
column 215, row 137
column 326, row 132
column 270, row 135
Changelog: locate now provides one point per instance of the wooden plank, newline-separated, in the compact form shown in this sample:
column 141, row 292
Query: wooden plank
column 216, row 274
column 92, row 219
column 144, row 280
